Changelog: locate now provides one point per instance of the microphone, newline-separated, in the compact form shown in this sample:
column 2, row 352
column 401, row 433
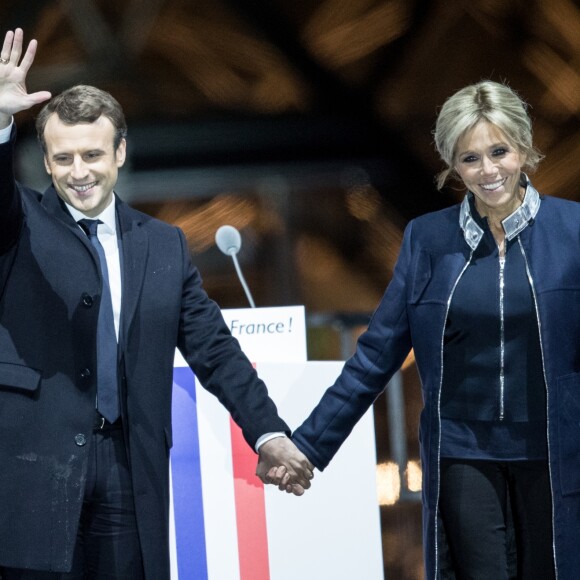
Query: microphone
column 229, row 241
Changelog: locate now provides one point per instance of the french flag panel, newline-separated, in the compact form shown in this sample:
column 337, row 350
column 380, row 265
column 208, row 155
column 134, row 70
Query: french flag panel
column 218, row 502
column 227, row 526
column 188, row 519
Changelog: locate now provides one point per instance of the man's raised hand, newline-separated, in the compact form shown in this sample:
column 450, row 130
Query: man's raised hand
column 14, row 68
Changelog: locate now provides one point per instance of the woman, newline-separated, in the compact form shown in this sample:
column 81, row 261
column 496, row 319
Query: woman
column 487, row 293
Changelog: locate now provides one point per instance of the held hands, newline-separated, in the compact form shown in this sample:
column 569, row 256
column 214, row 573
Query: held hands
column 281, row 463
column 13, row 94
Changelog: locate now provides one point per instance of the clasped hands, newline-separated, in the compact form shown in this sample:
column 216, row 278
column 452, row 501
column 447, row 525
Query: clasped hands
column 281, row 463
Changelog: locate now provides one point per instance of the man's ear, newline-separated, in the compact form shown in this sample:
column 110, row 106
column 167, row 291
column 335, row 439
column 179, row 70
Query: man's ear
column 46, row 165
column 121, row 153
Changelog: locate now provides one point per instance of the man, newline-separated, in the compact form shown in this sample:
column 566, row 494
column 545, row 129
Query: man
column 84, row 484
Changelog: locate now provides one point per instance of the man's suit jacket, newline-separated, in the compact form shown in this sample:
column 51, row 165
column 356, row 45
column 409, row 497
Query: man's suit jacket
column 50, row 288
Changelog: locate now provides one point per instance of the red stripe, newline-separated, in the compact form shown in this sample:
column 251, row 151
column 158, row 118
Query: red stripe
column 250, row 510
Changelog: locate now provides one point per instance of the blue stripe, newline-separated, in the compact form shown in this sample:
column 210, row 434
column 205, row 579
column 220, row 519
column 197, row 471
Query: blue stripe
column 186, row 474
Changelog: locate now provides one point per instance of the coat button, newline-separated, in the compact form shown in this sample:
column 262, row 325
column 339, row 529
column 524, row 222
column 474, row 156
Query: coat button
column 85, row 373
column 87, row 300
column 80, row 439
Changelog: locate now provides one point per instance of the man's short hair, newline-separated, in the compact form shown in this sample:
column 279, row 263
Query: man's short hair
column 83, row 104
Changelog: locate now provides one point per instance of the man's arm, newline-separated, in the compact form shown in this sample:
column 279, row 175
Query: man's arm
column 224, row 370
column 11, row 215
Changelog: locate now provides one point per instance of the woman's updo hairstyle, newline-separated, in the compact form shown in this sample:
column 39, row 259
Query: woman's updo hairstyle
column 483, row 101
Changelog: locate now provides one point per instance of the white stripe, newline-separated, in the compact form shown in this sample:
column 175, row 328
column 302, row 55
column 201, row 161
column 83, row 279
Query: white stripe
column 217, row 487
column 172, row 542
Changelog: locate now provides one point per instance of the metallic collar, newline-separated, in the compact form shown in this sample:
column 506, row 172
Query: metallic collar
column 512, row 225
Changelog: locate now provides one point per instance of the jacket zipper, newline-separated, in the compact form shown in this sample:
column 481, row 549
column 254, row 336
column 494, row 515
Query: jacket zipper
column 501, row 339
column 533, row 288
column 467, row 263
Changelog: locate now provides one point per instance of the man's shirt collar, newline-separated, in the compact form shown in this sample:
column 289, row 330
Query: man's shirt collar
column 107, row 216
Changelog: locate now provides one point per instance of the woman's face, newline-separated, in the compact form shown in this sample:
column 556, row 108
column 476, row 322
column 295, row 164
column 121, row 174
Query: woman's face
column 490, row 168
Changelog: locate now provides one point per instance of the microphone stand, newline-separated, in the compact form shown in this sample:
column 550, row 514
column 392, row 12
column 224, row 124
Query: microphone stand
column 242, row 280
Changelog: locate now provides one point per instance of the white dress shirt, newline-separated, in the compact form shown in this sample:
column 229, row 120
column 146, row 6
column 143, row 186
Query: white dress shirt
column 107, row 234
column 5, row 133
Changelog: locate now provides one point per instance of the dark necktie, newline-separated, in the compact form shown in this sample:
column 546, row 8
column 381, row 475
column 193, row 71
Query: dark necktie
column 107, row 387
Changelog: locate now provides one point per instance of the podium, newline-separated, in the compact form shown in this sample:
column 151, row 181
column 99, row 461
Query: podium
column 225, row 524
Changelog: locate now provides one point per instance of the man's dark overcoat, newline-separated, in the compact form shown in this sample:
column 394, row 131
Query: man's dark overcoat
column 50, row 287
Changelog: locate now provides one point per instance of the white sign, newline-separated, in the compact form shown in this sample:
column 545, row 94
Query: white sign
column 266, row 334
column 269, row 334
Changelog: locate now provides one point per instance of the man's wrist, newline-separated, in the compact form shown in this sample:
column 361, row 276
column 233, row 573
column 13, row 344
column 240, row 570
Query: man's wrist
column 6, row 132
column 268, row 437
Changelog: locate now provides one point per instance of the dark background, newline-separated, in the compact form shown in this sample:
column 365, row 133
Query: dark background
column 308, row 126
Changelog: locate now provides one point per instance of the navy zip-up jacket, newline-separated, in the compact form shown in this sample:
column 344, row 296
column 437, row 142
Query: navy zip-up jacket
column 436, row 250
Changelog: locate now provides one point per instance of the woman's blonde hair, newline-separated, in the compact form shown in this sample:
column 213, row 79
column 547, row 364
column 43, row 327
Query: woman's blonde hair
column 483, row 101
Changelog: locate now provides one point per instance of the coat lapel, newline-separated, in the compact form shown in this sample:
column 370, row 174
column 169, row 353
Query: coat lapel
column 135, row 252
column 57, row 209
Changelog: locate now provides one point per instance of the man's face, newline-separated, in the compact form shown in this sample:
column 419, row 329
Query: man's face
column 83, row 163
